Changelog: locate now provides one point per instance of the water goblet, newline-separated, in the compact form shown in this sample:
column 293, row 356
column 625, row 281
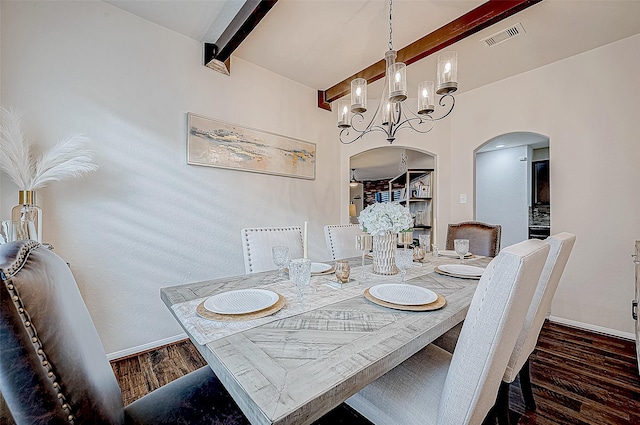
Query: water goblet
column 423, row 241
column 300, row 275
column 404, row 259
column 280, row 259
column 364, row 243
column 462, row 248
column 343, row 270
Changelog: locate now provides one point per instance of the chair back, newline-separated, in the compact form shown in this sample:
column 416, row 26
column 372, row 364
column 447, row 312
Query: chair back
column 53, row 368
column 560, row 248
column 484, row 239
column 341, row 240
column 489, row 333
column 258, row 241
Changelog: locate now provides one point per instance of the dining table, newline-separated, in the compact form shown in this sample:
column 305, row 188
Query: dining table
column 321, row 347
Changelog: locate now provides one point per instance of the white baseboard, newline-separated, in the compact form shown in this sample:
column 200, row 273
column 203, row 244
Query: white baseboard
column 594, row 328
column 145, row 347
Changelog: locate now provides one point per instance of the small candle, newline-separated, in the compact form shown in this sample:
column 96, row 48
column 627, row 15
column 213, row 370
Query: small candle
column 433, row 230
column 305, row 241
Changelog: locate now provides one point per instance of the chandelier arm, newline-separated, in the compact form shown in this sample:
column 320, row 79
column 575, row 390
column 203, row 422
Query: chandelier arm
column 442, row 102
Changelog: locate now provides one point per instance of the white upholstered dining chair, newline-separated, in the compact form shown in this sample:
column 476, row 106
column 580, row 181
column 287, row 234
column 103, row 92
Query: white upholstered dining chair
column 341, row 240
column 258, row 241
column 561, row 245
column 436, row 387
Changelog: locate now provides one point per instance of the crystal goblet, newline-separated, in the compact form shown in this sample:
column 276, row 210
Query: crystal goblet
column 462, row 248
column 404, row 259
column 280, row 259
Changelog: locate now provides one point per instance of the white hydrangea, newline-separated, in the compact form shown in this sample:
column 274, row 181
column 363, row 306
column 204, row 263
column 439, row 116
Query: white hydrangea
column 383, row 217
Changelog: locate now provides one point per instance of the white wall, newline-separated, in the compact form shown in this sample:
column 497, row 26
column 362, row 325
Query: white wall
column 592, row 123
column 502, row 192
column 145, row 219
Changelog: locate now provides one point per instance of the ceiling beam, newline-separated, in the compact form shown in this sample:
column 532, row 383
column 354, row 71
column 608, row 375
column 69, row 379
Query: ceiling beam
column 217, row 55
column 468, row 24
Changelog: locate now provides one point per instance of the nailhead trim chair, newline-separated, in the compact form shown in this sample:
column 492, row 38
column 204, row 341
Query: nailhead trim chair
column 53, row 369
column 484, row 239
column 341, row 240
column 258, row 241
column 435, row 387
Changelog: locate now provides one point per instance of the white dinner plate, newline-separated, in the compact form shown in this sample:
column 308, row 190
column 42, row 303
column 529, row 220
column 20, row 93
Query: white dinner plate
column 462, row 270
column 320, row 267
column 403, row 294
column 241, row 301
column 451, row 253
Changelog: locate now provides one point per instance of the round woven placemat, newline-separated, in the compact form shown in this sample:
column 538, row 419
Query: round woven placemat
column 459, row 276
column 203, row 312
column 438, row 303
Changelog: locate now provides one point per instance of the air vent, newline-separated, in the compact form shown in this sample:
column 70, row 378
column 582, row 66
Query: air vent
column 504, row 35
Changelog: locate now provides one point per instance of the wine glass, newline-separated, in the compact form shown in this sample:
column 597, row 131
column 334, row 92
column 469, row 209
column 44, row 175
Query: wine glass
column 280, row 259
column 404, row 259
column 364, row 243
column 462, row 248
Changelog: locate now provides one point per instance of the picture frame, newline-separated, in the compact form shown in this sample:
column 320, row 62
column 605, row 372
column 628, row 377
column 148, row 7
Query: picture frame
column 215, row 143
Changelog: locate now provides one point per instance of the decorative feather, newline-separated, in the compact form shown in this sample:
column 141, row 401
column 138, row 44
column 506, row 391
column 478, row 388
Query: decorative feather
column 15, row 150
column 68, row 159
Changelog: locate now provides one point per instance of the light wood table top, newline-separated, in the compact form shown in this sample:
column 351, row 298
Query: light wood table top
column 294, row 369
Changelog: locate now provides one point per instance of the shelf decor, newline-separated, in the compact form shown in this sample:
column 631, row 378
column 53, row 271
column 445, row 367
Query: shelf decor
column 67, row 159
column 213, row 143
column 384, row 220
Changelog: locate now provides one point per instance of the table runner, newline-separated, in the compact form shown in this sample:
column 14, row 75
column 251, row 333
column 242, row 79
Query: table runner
column 206, row 330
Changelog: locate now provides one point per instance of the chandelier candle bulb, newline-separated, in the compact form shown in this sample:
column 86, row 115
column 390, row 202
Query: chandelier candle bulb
column 343, row 114
column 359, row 95
column 398, row 82
column 426, row 97
column 447, row 73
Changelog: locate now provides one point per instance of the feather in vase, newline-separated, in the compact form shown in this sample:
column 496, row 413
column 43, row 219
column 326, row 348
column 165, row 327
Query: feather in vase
column 69, row 158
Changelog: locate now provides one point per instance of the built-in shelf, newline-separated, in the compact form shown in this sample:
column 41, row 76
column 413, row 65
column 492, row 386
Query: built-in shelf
column 417, row 195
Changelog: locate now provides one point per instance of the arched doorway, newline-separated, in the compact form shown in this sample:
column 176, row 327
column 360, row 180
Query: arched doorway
column 373, row 168
column 508, row 185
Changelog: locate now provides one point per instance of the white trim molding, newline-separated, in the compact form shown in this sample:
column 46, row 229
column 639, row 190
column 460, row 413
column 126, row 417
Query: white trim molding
column 593, row 328
column 145, row 347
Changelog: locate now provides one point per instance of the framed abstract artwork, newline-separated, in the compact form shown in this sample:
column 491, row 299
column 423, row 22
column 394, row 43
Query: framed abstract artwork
column 214, row 143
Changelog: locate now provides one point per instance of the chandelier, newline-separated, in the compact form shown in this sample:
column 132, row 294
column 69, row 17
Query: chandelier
column 392, row 113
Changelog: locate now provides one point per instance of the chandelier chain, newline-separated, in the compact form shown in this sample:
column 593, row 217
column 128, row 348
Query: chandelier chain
column 390, row 24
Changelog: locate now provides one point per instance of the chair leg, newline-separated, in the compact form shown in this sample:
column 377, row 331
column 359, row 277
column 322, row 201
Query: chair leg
column 525, row 385
column 502, row 404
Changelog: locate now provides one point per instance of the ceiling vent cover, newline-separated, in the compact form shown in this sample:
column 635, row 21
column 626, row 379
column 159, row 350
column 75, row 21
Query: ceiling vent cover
column 504, row 35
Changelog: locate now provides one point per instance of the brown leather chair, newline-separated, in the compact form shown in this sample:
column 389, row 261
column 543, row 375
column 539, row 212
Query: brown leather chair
column 484, row 239
column 53, row 369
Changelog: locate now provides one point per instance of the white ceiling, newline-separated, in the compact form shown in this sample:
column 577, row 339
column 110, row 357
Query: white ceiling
column 319, row 43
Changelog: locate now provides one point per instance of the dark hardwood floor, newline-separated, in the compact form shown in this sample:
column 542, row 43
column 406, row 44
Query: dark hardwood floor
column 578, row 378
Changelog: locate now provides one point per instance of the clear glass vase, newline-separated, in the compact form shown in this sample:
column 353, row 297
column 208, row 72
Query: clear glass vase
column 26, row 211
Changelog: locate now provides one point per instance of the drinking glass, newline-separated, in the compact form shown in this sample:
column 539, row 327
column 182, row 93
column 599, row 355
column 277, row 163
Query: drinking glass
column 280, row 259
column 423, row 241
column 404, row 259
column 364, row 243
column 343, row 270
column 419, row 253
column 300, row 275
column 462, row 248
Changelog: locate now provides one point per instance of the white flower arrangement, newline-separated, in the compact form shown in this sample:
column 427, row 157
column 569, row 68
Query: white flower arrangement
column 68, row 159
column 383, row 217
